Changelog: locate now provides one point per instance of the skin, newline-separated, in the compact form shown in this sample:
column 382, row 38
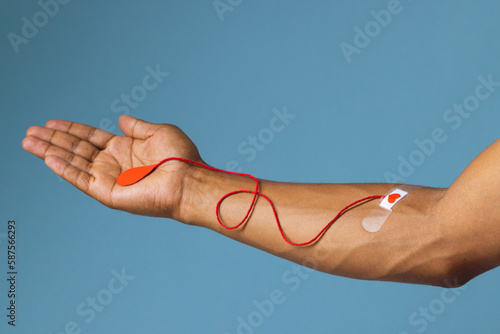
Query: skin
column 436, row 236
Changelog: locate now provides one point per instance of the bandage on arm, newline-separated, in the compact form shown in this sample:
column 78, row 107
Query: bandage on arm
column 377, row 216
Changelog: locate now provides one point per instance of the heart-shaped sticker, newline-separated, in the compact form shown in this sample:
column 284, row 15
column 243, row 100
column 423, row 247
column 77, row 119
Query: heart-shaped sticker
column 393, row 197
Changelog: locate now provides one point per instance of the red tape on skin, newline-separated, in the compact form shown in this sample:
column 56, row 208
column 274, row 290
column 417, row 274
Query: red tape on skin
column 136, row 174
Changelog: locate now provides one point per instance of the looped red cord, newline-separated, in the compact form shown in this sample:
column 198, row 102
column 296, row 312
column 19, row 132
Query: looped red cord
column 256, row 193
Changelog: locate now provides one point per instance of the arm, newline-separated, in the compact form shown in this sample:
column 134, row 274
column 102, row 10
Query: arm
column 406, row 249
column 428, row 239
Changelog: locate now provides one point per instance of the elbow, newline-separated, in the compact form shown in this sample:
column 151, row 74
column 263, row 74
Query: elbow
column 456, row 273
column 453, row 280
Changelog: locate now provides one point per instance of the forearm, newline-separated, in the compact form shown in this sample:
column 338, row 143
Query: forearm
column 409, row 247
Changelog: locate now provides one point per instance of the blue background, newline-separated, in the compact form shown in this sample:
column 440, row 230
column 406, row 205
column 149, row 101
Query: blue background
column 354, row 120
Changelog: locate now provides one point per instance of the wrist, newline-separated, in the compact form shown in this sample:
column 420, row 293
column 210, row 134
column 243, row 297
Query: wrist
column 193, row 182
column 202, row 189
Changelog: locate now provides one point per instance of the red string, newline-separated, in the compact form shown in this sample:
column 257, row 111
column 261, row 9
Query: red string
column 256, row 193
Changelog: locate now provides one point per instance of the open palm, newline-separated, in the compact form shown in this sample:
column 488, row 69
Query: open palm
column 91, row 159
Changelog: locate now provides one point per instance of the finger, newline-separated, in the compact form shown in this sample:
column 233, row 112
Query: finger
column 42, row 149
column 65, row 141
column 137, row 128
column 77, row 177
column 97, row 137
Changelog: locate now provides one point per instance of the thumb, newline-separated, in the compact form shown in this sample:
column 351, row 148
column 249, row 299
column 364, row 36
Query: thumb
column 137, row 128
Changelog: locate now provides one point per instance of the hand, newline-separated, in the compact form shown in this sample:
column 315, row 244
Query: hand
column 91, row 159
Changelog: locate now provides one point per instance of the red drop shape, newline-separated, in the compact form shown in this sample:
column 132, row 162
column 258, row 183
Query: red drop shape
column 132, row 175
